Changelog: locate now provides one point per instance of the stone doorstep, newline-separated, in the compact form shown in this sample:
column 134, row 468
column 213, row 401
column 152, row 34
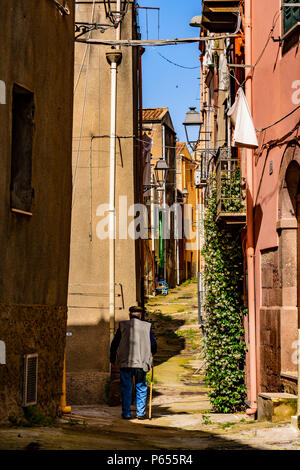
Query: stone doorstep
column 276, row 407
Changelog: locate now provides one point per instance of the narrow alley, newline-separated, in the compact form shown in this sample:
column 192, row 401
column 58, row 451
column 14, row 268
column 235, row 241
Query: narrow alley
column 181, row 414
column 150, row 226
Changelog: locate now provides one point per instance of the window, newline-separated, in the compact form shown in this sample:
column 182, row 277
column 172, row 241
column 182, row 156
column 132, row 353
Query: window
column 21, row 156
column 291, row 15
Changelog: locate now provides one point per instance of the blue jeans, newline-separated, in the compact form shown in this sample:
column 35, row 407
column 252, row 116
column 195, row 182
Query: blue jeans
column 126, row 376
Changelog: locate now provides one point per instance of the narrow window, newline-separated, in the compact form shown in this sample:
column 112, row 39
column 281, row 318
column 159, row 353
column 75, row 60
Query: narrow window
column 21, row 157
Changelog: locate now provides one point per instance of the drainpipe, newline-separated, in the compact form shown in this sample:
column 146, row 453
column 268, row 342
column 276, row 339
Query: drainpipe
column 250, row 225
column 164, row 202
column 141, row 241
column 295, row 420
column 153, row 234
column 298, row 303
column 113, row 59
column 176, row 226
column 63, row 399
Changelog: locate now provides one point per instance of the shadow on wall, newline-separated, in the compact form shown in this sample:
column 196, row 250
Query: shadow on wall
column 87, row 363
column 87, row 357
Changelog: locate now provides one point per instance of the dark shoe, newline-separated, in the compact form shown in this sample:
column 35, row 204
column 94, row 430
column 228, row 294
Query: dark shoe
column 127, row 417
column 141, row 417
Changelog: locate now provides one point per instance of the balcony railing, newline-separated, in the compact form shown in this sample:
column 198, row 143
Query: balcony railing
column 201, row 172
column 231, row 205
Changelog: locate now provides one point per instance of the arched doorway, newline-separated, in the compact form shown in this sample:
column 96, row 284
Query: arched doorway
column 289, row 264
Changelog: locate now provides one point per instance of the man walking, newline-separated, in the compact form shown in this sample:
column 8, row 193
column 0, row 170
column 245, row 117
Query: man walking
column 132, row 347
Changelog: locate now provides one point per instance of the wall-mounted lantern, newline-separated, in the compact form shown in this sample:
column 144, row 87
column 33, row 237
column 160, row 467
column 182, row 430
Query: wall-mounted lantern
column 114, row 12
column 160, row 171
column 192, row 119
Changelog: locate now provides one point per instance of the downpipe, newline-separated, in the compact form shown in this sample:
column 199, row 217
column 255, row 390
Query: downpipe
column 250, row 226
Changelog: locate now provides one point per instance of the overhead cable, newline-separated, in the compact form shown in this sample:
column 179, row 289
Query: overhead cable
column 152, row 42
column 86, row 48
column 279, row 120
column 174, row 63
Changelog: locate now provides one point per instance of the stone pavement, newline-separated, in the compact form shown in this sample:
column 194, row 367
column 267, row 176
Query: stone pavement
column 181, row 414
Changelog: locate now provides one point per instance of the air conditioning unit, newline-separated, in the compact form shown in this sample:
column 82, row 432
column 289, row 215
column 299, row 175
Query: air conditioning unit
column 30, row 379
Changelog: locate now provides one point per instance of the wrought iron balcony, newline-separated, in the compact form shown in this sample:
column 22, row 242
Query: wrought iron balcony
column 220, row 16
column 231, row 207
column 201, row 172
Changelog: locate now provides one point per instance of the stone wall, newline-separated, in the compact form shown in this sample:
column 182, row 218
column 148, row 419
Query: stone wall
column 270, row 350
column 87, row 354
column 270, row 364
column 27, row 329
column 37, row 56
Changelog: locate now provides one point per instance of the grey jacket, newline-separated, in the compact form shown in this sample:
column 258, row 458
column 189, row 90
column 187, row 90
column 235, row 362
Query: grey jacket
column 135, row 346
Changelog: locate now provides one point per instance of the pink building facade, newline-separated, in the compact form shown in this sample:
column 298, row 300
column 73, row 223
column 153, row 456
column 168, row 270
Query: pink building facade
column 273, row 94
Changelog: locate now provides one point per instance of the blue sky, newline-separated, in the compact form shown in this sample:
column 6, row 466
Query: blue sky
column 165, row 84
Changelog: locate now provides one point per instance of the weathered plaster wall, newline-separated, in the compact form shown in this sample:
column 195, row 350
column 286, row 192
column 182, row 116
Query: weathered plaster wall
column 278, row 69
column 36, row 53
column 88, row 317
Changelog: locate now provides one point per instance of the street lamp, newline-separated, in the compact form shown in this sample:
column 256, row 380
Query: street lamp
column 115, row 13
column 160, row 171
column 192, row 119
column 185, row 192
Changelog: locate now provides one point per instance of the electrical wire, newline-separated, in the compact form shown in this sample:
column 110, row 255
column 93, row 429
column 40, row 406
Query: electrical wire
column 82, row 117
column 86, row 48
column 274, row 22
column 279, row 120
column 153, row 42
column 174, row 63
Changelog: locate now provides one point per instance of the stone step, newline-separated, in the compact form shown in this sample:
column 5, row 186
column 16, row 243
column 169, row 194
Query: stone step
column 276, row 407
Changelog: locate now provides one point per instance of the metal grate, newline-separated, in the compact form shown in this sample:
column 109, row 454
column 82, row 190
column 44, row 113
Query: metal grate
column 30, row 378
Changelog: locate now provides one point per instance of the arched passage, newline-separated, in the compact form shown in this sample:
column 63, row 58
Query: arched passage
column 288, row 266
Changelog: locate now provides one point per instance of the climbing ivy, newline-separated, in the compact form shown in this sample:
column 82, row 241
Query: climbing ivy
column 231, row 194
column 224, row 333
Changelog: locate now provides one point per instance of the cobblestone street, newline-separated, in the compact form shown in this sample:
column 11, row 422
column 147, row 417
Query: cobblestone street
column 181, row 414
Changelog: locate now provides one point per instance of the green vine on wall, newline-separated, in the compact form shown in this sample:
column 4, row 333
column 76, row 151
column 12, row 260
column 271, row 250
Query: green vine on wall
column 231, row 193
column 224, row 338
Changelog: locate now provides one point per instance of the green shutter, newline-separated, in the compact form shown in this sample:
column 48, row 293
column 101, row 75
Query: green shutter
column 161, row 241
column 291, row 16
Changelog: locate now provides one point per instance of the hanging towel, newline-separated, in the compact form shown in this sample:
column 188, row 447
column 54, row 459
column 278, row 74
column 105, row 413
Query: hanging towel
column 208, row 56
column 223, row 71
column 244, row 131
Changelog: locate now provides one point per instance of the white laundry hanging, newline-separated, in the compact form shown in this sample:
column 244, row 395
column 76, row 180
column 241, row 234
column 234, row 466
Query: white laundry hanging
column 224, row 75
column 208, row 56
column 244, row 131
